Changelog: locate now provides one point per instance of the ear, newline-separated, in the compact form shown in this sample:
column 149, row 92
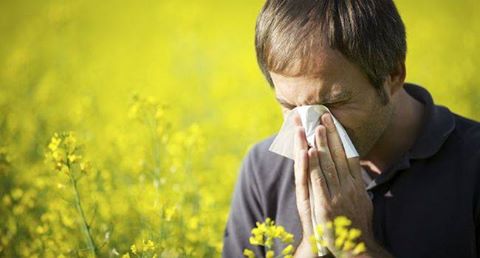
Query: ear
column 396, row 78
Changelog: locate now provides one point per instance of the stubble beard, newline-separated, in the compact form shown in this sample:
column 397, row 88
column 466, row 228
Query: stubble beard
column 368, row 134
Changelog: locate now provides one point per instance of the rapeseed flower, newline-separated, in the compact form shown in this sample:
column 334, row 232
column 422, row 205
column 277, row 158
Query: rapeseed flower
column 63, row 153
column 265, row 233
column 344, row 237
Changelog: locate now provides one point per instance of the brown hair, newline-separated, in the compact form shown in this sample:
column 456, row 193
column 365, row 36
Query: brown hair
column 370, row 33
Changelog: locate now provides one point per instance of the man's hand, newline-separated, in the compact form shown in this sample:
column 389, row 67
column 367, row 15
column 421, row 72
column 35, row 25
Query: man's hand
column 337, row 187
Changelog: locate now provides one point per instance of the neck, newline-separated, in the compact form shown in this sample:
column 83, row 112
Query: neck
column 399, row 136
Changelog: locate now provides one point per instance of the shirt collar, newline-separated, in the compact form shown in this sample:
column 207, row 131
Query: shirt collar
column 437, row 125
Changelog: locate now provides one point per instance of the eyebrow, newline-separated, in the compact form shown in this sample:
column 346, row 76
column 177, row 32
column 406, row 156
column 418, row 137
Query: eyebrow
column 325, row 100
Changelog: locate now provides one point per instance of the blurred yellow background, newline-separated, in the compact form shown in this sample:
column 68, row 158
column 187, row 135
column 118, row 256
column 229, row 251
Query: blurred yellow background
column 164, row 98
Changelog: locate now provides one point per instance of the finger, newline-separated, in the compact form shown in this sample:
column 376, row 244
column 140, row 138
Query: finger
column 300, row 139
column 320, row 187
column 301, row 181
column 300, row 173
column 302, row 193
column 336, row 149
column 355, row 168
column 300, row 147
column 326, row 162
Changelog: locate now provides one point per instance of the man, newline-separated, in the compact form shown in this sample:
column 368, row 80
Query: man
column 418, row 193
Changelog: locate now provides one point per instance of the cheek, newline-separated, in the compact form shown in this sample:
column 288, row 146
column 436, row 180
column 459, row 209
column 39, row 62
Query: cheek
column 361, row 126
column 360, row 116
column 351, row 122
column 356, row 132
column 351, row 119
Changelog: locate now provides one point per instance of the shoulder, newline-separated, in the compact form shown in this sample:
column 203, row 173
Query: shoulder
column 262, row 157
column 265, row 166
column 468, row 131
column 260, row 148
column 466, row 141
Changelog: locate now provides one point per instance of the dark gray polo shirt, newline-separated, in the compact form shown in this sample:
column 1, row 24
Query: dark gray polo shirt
column 425, row 205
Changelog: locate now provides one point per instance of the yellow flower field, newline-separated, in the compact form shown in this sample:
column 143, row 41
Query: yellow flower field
column 123, row 124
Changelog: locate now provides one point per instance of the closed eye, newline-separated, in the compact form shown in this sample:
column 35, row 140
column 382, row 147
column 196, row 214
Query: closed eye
column 329, row 105
column 288, row 106
column 336, row 104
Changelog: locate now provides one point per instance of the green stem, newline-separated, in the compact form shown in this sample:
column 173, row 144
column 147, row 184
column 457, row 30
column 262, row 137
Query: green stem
column 85, row 227
column 152, row 127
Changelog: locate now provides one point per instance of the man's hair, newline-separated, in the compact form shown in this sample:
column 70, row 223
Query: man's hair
column 369, row 33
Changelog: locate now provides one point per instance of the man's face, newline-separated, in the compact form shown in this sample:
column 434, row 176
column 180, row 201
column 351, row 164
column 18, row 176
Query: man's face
column 345, row 90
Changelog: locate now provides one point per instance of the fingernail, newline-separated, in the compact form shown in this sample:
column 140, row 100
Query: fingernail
column 324, row 117
column 328, row 118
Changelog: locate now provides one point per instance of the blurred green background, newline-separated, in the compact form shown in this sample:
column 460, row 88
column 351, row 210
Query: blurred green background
column 164, row 98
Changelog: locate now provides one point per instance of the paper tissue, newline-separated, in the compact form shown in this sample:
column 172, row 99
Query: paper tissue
column 310, row 116
column 284, row 141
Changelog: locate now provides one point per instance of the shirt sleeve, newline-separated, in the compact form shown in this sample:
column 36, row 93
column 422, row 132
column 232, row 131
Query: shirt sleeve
column 245, row 211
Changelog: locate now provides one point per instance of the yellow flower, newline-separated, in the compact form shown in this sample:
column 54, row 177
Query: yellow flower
column 169, row 213
column 64, row 155
column 287, row 237
column 344, row 237
column 85, row 166
column 133, row 248
column 313, row 243
column 341, row 221
column 269, row 242
column 148, row 246
column 278, row 231
column 359, row 248
column 287, row 250
column 265, row 233
column 256, row 240
column 248, row 253
column 72, row 158
column 270, row 254
column 341, row 231
column 348, row 245
column 354, row 233
column 55, row 141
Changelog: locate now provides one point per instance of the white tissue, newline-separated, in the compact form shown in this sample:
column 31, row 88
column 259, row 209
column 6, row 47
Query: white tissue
column 310, row 116
column 283, row 144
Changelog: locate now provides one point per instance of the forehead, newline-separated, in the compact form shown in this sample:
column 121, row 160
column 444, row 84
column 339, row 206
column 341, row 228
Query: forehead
column 329, row 76
column 321, row 62
column 309, row 90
